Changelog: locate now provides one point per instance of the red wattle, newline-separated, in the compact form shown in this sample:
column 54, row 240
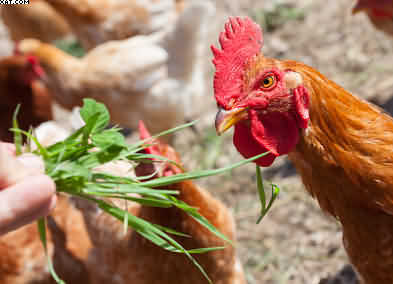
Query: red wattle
column 248, row 147
column 278, row 132
column 382, row 13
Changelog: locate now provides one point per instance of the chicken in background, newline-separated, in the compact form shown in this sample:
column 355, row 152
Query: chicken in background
column 35, row 20
column 179, row 5
column 340, row 145
column 6, row 43
column 135, row 78
column 20, row 84
column 129, row 258
column 380, row 13
column 99, row 21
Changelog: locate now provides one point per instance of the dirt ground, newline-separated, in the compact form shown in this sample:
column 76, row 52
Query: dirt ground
column 295, row 243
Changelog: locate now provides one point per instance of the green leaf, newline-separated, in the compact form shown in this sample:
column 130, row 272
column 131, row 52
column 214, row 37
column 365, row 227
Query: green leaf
column 91, row 108
column 262, row 195
column 261, row 189
column 108, row 137
column 110, row 153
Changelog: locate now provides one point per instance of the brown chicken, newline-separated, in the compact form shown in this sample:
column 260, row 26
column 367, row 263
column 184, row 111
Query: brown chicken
column 20, row 84
column 36, row 20
column 135, row 78
column 99, row 21
column 340, row 144
column 380, row 13
column 130, row 258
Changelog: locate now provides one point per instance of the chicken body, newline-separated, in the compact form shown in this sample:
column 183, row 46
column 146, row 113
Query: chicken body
column 380, row 13
column 96, row 22
column 20, row 84
column 130, row 258
column 340, row 145
column 36, row 20
column 135, row 78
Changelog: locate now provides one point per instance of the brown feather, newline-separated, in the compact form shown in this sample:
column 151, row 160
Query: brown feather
column 345, row 159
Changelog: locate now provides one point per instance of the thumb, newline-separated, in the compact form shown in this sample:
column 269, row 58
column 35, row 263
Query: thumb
column 14, row 169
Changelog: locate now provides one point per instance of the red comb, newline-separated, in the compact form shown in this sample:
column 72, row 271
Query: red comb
column 32, row 59
column 160, row 149
column 35, row 63
column 145, row 134
column 240, row 41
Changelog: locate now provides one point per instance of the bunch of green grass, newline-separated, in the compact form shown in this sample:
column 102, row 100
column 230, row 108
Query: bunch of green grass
column 71, row 162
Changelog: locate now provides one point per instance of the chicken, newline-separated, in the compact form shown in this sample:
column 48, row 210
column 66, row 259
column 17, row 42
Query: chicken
column 380, row 13
column 340, row 145
column 20, row 84
column 22, row 256
column 133, row 259
column 36, row 20
column 6, row 43
column 96, row 22
column 135, row 78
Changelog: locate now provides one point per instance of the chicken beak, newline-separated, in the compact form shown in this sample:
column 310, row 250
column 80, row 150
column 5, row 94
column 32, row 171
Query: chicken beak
column 225, row 119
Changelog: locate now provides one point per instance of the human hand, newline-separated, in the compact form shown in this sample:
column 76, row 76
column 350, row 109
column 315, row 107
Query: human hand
column 26, row 193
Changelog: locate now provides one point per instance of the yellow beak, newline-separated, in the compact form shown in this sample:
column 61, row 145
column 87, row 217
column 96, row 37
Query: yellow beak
column 225, row 119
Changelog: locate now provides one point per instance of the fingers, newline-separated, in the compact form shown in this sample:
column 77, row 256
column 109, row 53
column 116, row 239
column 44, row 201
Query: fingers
column 14, row 169
column 26, row 201
column 9, row 147
column 33, row 163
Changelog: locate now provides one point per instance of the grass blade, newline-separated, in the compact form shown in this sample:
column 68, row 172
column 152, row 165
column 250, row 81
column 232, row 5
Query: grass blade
column 42, row 231
column 197, row 174
column 18, row 141
column 262, row 195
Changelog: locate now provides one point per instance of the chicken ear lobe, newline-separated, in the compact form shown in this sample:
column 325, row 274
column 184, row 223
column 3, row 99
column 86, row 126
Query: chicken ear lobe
column 301, row 101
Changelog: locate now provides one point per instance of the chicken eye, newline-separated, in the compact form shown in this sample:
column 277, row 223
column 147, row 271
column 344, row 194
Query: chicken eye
column 268, row 81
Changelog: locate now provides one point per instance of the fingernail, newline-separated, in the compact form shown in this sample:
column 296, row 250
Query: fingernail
column 32, row 161
column 53, row 202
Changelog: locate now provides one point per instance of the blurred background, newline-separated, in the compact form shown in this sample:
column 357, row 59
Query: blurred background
column 168, row 80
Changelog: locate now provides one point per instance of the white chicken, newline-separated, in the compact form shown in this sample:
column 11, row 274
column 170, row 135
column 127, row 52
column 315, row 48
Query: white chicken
column 99, row 21
column 137, row 79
